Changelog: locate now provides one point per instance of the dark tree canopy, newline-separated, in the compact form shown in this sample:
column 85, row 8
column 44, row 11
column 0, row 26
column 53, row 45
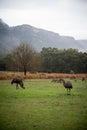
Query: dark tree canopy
column 50, row 60
column 64, row 61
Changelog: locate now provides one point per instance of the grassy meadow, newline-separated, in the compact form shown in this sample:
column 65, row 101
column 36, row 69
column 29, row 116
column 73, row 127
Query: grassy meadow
column 43, row 105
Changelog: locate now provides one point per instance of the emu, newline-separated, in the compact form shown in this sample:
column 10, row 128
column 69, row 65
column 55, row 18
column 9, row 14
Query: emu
column 18, row 81
column 57, row 80
column 68, row 86
column 83, row 79
column 54, row 80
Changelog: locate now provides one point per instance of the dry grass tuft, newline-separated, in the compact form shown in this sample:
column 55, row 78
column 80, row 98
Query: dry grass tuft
column 10, row 75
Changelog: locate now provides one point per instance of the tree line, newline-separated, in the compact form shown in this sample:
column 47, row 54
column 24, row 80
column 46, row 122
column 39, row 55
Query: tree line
column 50, row 60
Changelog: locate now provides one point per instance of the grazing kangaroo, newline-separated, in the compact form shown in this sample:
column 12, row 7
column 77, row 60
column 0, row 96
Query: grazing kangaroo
column 18, row 81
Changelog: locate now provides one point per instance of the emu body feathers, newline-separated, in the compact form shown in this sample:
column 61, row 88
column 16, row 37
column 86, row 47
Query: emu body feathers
column 67, row 85
column 18, row 81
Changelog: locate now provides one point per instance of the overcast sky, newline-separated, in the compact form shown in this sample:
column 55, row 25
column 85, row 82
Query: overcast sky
column 66, row 17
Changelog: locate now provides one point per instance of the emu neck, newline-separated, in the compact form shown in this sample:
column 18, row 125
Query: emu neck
column 63, row 82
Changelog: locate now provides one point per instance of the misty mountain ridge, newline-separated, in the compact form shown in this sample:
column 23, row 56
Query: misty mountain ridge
column 38, row 38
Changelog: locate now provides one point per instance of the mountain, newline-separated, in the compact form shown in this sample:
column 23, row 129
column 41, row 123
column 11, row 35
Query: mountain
column 83, row 44
column 39, row 38
column 7, row 39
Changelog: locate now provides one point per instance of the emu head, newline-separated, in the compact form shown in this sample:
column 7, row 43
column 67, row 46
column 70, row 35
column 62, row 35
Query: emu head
column 22, row 85
column 12, row 82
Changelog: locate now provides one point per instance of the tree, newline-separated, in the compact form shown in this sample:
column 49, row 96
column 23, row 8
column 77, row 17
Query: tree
column 36, row 62
column 22, row 56
column 48, row 56
column 63, row 61
column 2, row 64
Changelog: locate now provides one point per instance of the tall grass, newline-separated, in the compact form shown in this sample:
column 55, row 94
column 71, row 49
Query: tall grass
column 10, row 75
column 43, row 105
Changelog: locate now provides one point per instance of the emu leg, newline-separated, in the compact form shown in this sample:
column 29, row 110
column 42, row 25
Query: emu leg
column 16, row 86
column 68, row 91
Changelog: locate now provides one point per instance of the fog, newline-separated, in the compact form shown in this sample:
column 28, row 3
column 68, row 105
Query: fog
column 66, row 17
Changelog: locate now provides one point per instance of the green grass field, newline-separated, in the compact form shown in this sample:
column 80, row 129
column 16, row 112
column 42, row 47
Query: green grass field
column 43, row 105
